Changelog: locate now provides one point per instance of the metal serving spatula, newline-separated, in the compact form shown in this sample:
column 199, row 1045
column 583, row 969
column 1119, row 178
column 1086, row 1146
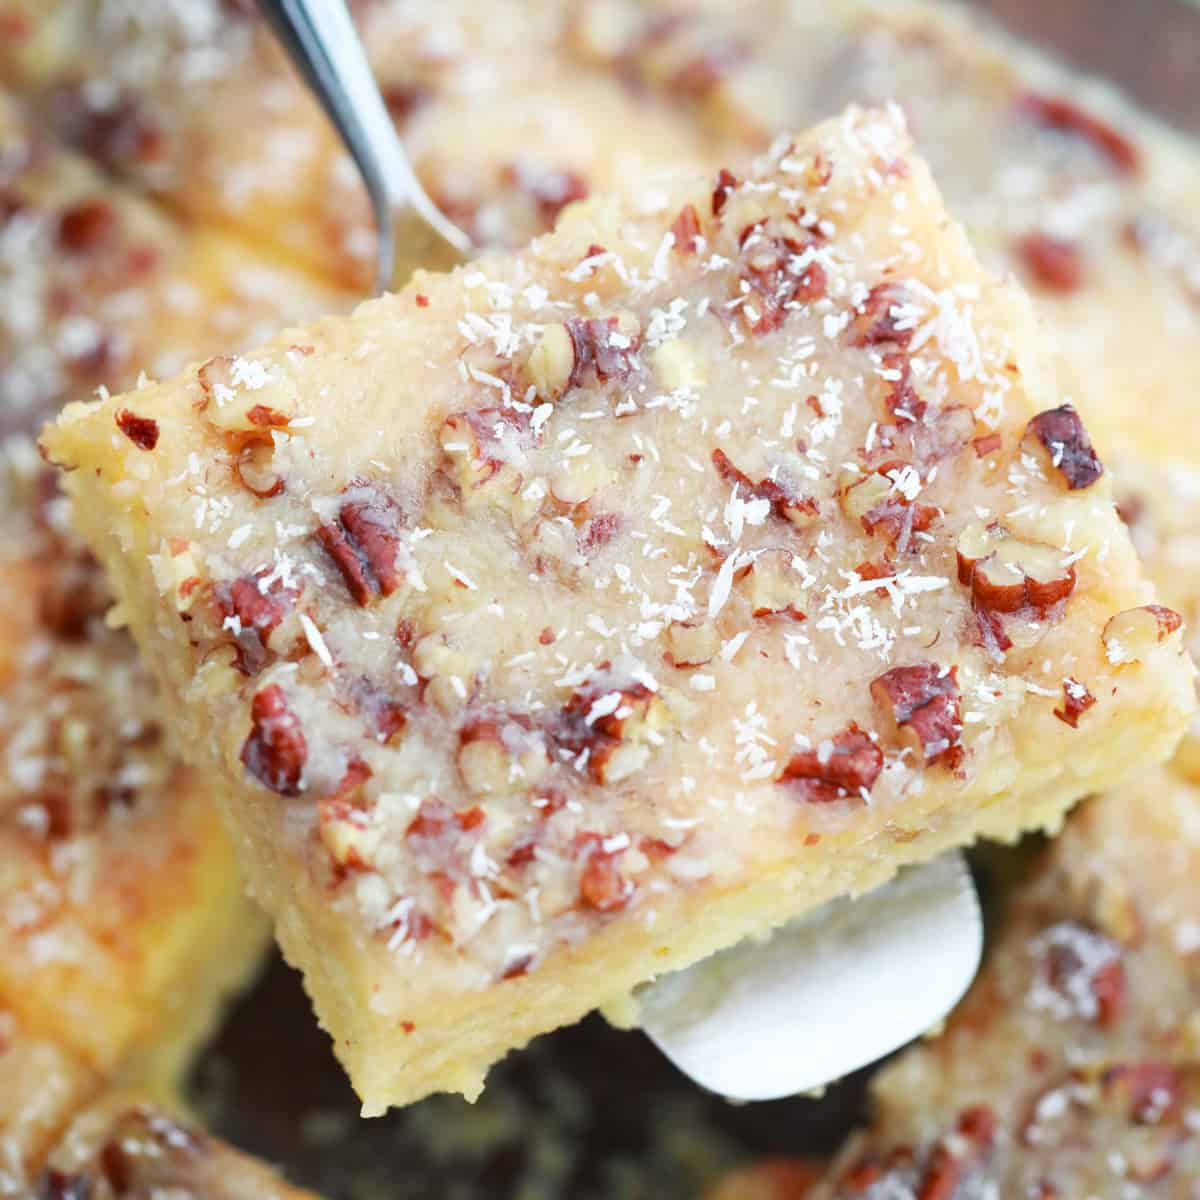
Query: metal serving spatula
column 823, row 995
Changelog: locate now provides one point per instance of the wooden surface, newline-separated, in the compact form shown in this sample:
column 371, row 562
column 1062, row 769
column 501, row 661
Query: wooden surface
column 589, row 1112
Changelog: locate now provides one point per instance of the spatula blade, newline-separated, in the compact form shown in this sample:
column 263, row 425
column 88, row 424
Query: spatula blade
column 826, row 994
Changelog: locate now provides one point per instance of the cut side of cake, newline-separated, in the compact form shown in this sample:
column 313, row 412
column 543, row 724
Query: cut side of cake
column 557, row 622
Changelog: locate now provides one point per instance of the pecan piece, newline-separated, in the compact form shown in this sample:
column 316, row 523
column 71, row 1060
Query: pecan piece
column 275, row 750
column 843, row 766
column 1084, row 969
column 1076, row 701
column 343, row 820
column 364, row 541
column 774, row 587
column 607, row 345
column 500, row 754
column 881, row 503
column 611, row 729
column 1007, row 573
column 599, row 531
column 924, row 705
column 251, row 614
column 550, row 190
column 1134, row 633
column 86, row 226
column 727, row 183
column 602, row 887
column 692, row 643
column 141, row 431
column 386, row 716
column 686, row 230
column 1064, row 115
column 779, row 274
column 1148, row 1091
column 801, row 511
column 1055, row 263
column 1058, row 438
column 886, row 317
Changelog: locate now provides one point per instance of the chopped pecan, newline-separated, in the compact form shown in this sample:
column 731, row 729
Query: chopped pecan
column 943, row 1173
column 1134, row 633
column 364, row 541
column 275, row 750
column 1084, row 967
column 686, row 230
column 779, row 270
column 1076, row 701
column 403, row 98
column 703, row 71
column 115, row 129
column 599, row 531
column 1149, row 1091
column 1055, row 263
column 887, row 317
column 550, row 190
column 611, row 728
column 141, row 431
column 601, row 885
column 86, row 226
column 442, row 839
column 774, row 587
column 924, row 705
column 1007, row 573
column 989, row 443
column 251, row 612
column 54, row 1184
column 801, row 511
column 877, row 502
column 843, row 766
column 1058, row 438
column 606, row 345
column 499, row 753
column 386, row 715
column 902, row 400
column 1056, row 112
column 727, row 183
column 342, row 818
column 692, row 643
column 251, row 467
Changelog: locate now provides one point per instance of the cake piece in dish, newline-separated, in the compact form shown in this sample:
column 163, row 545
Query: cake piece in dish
column 124, row 1145
column 1072, row 1068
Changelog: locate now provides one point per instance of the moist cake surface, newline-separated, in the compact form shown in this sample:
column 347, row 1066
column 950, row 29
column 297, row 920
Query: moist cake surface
column 721, row 559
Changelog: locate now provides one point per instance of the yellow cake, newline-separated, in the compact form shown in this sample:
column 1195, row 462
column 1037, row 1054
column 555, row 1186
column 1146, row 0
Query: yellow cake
column 1073, row 1066
column 124, row 1146
column 722, row 560
column 153, row 91
column 40, row 1086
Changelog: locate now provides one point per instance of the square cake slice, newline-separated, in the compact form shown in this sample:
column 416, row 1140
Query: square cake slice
column 126, row 1145
column 554, row 623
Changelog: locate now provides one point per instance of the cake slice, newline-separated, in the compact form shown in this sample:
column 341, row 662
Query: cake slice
column 123, row 924
column 104, row 286
column 1073, row 1066
column 194, row 103
column 40, row 1086
column 124, row 1145
column 554, row 623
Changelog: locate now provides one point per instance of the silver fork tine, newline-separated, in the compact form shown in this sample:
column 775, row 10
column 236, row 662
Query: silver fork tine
column 321, row 40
